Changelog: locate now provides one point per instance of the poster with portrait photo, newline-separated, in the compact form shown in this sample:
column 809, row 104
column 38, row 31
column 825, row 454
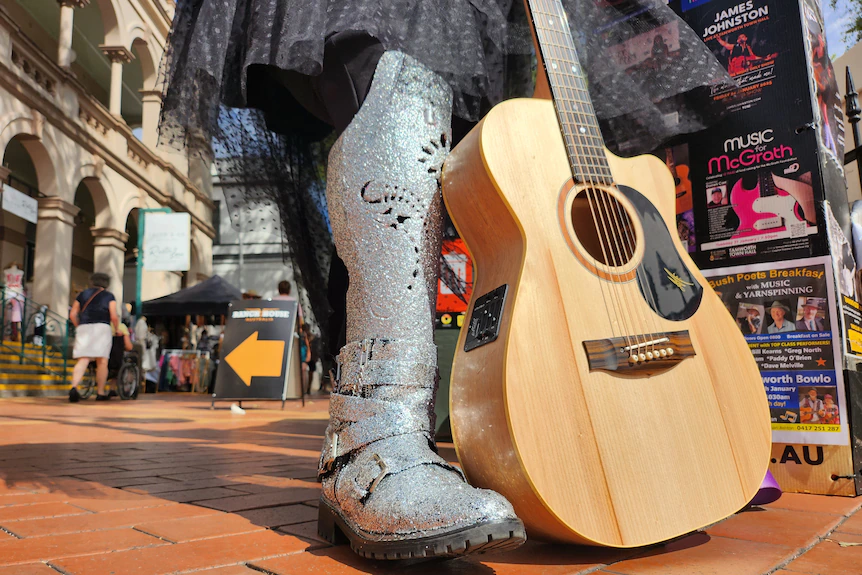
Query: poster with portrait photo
column 750, row 318
column 798, row 345
column 811, row 314
column 749, row 38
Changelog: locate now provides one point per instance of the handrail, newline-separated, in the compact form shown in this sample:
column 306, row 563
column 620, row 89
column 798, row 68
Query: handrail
column 56, row 332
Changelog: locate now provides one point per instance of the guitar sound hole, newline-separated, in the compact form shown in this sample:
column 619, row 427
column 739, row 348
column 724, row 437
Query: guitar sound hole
column 603, row 227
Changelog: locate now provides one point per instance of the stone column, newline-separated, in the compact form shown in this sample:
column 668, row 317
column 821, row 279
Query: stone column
column 109, row 248
column 152, row 107
column 52, row 268
column 67, row 17
column 118, row 55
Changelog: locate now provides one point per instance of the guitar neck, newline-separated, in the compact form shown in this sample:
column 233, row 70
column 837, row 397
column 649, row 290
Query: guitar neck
column 767, row 186
column 577, row 118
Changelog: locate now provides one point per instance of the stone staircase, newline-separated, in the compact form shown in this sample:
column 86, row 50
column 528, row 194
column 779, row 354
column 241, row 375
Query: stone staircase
column 19, row 379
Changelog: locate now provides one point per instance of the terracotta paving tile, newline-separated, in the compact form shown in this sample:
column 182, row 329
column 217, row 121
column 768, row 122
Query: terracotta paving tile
column 307, row 532
column 257, row 501
column 134, row 501
column 218, row 552
column 181, row 530
column 37, row 510
column 191, row 477
column 703, row 555
column 342, row 561
column 817, row 503
column 249, row 488
column 283, row 515
column 232, row 570
column 102, row 477
column 28, row 498
column 107, row 520
column 853, row 524
column 549, row 559
column 130, row 481
column 829, row 558
column 795, row 529
column 29, row 569
column 200, row 494
column 70, row 545
column 169, row 485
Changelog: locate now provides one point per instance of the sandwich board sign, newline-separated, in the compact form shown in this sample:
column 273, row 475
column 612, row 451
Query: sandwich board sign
column 256, row 351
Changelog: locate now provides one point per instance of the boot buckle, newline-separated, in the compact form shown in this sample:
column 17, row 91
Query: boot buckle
column 331, row 453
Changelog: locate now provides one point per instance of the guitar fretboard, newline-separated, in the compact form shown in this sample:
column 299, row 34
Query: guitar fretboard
column 580, row 128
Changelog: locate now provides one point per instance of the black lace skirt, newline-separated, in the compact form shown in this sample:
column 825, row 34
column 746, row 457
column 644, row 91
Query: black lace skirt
column 236, row 70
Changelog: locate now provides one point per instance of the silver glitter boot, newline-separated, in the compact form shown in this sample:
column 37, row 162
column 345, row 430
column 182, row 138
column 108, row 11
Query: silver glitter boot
column 385, row 488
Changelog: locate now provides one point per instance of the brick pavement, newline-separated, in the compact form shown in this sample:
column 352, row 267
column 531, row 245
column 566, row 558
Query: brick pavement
column 165, row 485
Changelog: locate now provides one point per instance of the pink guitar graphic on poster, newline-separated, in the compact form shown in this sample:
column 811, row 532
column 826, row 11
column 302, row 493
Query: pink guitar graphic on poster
column 775, row 204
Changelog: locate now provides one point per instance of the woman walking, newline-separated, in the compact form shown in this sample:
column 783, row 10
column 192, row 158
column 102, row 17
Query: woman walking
column 93, row 314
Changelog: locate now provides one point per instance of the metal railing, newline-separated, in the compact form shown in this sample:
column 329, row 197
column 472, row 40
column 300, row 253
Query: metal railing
column 41, row 336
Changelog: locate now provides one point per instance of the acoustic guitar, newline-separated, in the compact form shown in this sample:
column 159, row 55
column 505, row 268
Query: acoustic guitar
column 599, row 384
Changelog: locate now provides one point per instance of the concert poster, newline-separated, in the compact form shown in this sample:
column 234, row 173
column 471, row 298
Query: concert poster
column 750, row 38
column 844, row 267
column 788, row 315
column 828, row 103
column 755, row 177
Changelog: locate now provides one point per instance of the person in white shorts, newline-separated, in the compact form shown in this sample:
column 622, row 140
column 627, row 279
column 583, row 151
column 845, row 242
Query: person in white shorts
column 93, row 314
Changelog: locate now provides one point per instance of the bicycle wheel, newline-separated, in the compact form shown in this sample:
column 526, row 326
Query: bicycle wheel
column 127, row 381
column 88, row 383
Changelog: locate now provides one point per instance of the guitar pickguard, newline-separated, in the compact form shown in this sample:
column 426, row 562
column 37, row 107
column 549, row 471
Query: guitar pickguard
column 665, row 281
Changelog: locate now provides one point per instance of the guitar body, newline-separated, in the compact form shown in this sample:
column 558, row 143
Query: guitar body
column 587, row 455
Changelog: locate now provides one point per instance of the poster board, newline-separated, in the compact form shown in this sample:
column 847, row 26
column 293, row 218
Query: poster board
column 167, row 242
column 259, row 358
column 765, row 197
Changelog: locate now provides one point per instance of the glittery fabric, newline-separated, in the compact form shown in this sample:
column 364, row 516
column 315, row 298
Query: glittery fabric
column 379, row 466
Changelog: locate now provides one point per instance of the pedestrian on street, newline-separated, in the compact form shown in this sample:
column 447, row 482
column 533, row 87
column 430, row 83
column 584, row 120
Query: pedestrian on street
column 93, row 314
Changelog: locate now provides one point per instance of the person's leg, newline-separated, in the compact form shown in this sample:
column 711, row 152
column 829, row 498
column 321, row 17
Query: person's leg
column 101, row 374
column 79, row 370
column 383, row 485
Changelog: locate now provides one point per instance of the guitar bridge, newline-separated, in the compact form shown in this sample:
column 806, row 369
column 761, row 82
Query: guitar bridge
column 649, row 352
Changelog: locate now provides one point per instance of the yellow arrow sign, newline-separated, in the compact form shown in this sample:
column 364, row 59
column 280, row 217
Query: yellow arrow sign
column 256, row 358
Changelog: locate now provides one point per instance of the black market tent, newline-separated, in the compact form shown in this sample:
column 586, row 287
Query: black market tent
column 210, row 297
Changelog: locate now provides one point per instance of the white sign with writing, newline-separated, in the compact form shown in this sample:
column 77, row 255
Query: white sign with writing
column 167, row 240
column 20, row 204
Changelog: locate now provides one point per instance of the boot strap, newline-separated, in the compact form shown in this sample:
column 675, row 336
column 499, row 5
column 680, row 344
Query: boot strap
column 357, row 422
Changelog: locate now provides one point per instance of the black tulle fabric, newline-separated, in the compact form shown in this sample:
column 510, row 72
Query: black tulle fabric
column 643, row 96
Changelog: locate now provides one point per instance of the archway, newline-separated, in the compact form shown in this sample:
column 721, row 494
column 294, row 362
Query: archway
column 136, row 75
column 130, row 264
column 18, row 243
column 83, row 249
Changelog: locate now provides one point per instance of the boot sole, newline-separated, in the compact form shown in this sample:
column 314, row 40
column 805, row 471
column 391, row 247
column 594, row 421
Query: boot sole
column 475, row 540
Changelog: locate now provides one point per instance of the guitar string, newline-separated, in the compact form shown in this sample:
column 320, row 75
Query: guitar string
column 623, row 231
column 592, row 174
column 574, row 158
column 612, row 308
column 587, row 176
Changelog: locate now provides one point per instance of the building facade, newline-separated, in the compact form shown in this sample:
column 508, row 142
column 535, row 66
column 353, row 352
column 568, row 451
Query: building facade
column 79, row 109
column 248, row 253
